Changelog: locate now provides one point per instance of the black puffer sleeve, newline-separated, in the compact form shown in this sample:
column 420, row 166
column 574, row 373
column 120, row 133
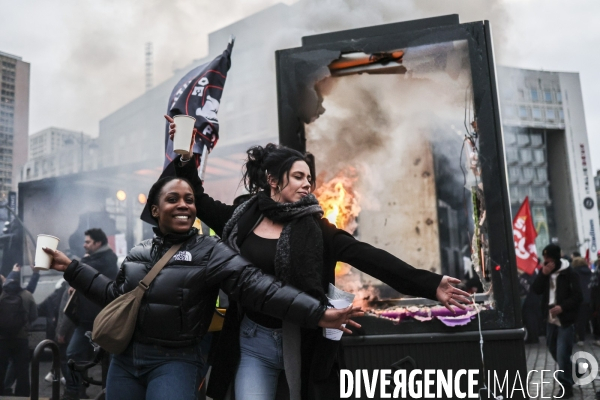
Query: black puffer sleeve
column 210, row 211
column 93, row 285
column 258, row 291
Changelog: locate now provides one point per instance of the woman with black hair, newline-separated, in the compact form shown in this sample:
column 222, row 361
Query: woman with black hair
column 163, row 360
column 281, row 229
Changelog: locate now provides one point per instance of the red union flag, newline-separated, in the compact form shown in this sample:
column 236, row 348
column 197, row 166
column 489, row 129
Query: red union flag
column 524, row 235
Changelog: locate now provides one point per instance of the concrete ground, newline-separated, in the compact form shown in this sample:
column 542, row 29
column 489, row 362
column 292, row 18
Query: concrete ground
column 538, row 358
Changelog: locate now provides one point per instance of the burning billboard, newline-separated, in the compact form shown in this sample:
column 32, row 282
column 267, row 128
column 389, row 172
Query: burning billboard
column 403, row 122
column 404, row 125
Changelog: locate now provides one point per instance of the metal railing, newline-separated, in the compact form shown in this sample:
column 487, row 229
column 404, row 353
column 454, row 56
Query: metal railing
column 35, row 369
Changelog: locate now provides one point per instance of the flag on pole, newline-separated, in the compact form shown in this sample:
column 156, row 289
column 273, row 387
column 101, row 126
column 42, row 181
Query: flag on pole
column 198, row 94
column 587, row 256
column 524, row 235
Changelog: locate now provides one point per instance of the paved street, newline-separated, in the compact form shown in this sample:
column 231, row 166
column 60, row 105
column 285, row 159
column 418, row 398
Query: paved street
column 538, row 358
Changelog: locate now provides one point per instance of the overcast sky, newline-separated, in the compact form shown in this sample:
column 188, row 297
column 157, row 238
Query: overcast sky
column 87, row 57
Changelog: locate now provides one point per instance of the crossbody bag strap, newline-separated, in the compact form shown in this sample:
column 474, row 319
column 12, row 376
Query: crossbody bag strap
column 145, row 283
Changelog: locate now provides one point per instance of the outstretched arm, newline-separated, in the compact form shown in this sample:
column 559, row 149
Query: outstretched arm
column 260, row 292
column 87, row 280
column 398, row 274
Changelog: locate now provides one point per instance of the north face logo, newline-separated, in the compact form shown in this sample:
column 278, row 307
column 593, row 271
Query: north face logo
column 183, row 256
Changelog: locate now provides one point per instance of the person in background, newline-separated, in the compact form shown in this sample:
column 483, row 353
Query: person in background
column 559, row 285
column 580, row 266
column 532, row 317
column 63, row 333
column 50, row 309
column 17, row 311
column 595, row 301
column 596, row 264
column 99, row 256
column 11, row 374
column 33, row 281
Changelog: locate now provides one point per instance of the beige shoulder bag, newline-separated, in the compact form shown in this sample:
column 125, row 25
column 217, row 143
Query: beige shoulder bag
column 114, row 326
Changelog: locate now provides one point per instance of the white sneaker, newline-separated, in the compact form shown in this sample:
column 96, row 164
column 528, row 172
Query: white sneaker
column 63, row 381
column 49, row 377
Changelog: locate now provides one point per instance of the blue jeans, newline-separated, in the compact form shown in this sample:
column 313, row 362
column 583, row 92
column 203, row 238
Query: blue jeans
column 261, row 362
column 560, row 342
column 147, row 372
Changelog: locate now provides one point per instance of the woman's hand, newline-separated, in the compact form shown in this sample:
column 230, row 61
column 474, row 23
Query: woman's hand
column 173, row 129
column 60, row 261
column 449, row 295
column 334, row 318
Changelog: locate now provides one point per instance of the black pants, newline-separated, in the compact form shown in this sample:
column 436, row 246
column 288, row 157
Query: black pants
column 582, row 321
column 18, row 351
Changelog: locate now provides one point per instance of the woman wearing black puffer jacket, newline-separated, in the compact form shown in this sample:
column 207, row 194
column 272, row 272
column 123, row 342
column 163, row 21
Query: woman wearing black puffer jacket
column 163, row 359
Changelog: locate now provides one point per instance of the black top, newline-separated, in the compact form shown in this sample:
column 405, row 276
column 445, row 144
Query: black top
column 261, row 253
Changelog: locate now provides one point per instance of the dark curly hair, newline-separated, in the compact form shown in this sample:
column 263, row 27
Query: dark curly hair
column 273, row 160
column 97, row 235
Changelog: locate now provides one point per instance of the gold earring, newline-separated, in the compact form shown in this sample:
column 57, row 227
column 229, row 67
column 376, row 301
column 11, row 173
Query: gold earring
column 278, row 189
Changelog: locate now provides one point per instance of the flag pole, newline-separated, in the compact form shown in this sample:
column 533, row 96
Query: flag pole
column 203, row 162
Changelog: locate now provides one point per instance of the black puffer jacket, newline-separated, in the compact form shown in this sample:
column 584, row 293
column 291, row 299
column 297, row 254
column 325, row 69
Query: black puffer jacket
column 568, row 293
column 178, row 307
column 103, row 260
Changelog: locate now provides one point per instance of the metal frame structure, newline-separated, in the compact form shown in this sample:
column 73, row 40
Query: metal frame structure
column 298, row 70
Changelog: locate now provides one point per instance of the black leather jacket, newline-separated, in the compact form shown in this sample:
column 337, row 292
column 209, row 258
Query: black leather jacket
column 178, row 307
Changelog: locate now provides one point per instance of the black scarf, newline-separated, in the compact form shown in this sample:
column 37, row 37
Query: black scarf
column 299, row 254
column 162, row 242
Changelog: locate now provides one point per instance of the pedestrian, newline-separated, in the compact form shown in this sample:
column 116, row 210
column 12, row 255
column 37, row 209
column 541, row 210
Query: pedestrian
column 559, row 285
column 281, row 229
column 63, row 333
column 163, row 360
column 595, row 301
column 531, row 310
column 99, row 256
column 11, row 374
column 581, row 267
column 17, row 311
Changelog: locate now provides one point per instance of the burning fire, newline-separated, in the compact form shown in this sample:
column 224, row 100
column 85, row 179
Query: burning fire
column 340, row 204
column 339, row 200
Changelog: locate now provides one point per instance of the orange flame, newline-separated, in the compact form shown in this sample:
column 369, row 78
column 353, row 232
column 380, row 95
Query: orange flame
column 340, row 204
column 339, row 201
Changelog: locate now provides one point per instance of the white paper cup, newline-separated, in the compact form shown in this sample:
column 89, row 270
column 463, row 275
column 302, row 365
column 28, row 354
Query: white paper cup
column 183, row 134
column 42, row 259
column 336, row 334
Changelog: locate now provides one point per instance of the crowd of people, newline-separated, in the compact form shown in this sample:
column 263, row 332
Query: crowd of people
column 561, row 301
